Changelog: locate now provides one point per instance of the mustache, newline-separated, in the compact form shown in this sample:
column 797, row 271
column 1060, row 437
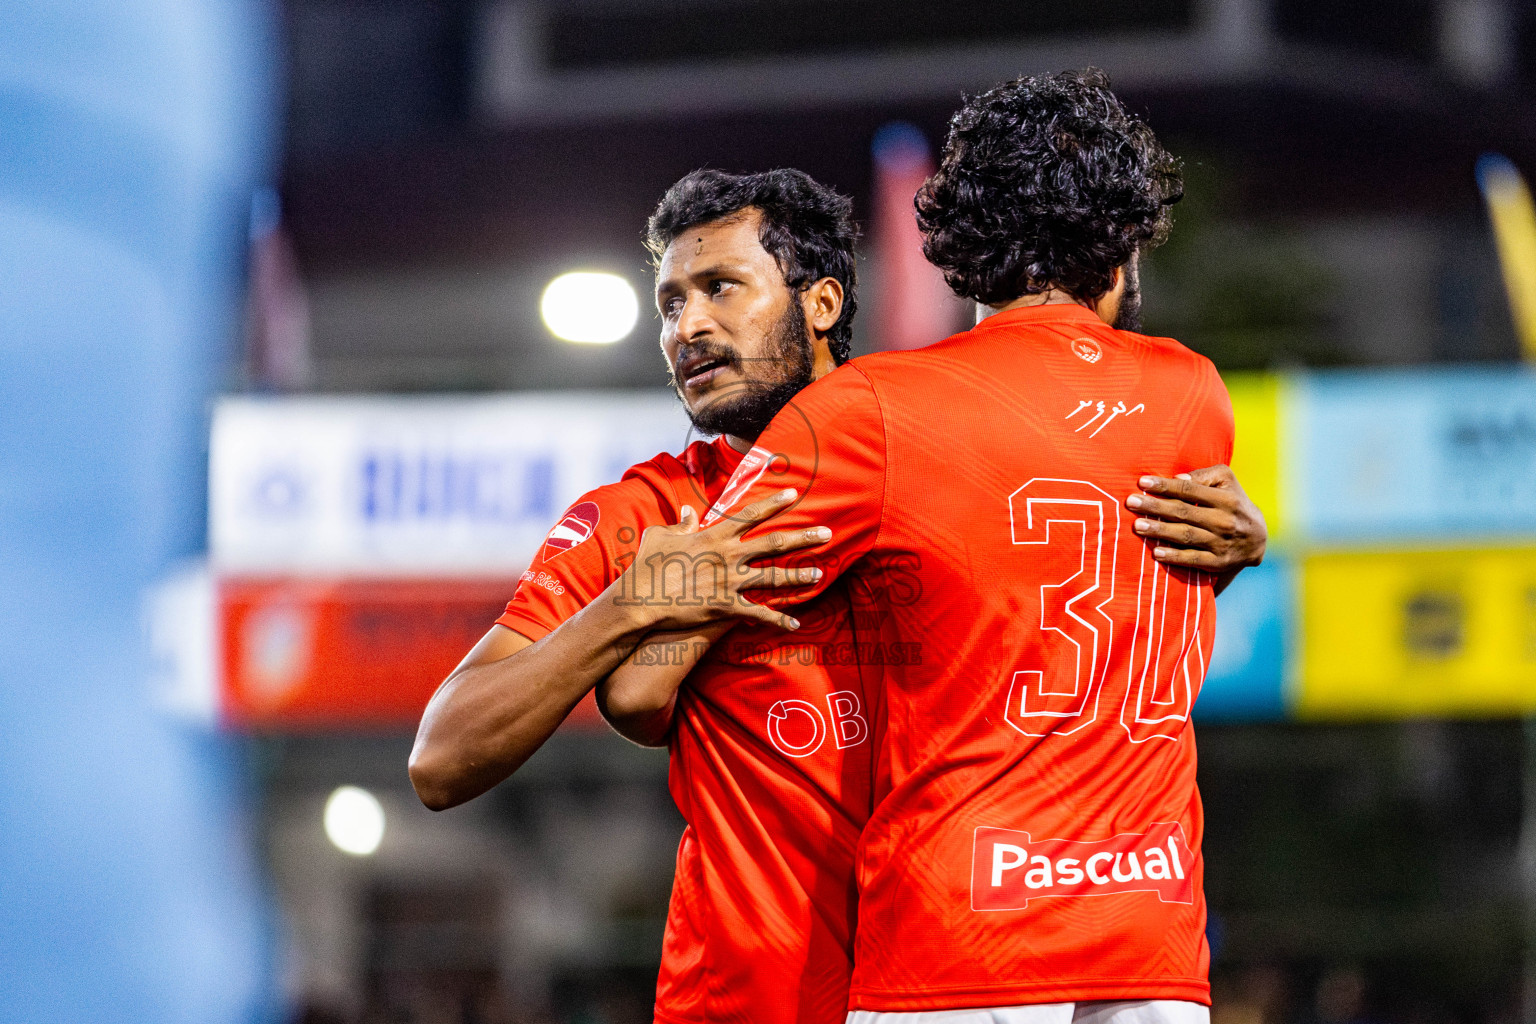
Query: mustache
column 705, row 350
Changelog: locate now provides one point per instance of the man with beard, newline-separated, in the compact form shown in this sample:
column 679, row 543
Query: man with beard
column 770, row 740
column 1033, row 855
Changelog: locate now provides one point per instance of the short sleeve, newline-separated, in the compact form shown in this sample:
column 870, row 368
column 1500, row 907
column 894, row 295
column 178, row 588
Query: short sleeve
column 1217, row 422
column 583, row 554
column 828, row 444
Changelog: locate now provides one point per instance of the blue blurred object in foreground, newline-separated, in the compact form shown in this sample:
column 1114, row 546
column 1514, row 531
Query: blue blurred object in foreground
column 135, row 133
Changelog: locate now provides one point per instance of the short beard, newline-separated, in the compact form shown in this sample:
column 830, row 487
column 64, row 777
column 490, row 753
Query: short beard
column 746, row 410
column 1129, row 316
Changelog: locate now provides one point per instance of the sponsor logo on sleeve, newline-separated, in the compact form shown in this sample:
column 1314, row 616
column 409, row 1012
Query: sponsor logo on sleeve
column 753, row 464
column 545, row 580
column 1008, row 868
column 579, row 524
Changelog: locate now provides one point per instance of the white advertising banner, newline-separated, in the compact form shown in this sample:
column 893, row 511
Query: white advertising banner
column 416, row 486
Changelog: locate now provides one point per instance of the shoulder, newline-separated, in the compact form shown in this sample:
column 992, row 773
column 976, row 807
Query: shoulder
column 1170, row 349
column 612, row 516
column 663, row 472
column 1187, row 372
column 846, row 394
column 836, row 418
column 647, row 490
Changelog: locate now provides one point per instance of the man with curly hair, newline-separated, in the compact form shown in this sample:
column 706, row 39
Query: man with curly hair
column 1033, row 854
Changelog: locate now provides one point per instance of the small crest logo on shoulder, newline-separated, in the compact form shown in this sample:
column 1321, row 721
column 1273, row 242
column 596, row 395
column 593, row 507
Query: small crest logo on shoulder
column 579, row 524
column 1087, row 350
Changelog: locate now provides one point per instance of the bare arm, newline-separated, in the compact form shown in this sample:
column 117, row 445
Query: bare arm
column 639, row 697
column 1201, row 520
column 509, row 694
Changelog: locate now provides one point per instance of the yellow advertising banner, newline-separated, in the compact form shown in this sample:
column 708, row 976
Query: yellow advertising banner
column 1256, row 403
column 1399, row 634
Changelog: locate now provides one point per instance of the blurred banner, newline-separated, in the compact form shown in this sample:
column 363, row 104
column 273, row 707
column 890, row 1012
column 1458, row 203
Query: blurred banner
column 1423, row 455
column 416, row 486
column 312, row 654
column 1418, row 633
column 361, row 545
column 1439, row 463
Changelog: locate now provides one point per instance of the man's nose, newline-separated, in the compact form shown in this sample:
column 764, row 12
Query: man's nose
column 693, row 320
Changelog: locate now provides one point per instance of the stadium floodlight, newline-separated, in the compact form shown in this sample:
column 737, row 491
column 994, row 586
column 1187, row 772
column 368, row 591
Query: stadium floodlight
column 354, row 820
column 591, row 308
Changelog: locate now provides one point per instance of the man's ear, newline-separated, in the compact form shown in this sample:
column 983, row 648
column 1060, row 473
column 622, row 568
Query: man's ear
column 823, row 302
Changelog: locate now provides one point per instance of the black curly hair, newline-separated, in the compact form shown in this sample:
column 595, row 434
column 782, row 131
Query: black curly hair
column 1046, row 182
column 806, row 226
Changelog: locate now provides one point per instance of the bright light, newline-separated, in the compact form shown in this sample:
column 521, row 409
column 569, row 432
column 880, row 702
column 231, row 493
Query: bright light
column 354, row 820
column 597, row 309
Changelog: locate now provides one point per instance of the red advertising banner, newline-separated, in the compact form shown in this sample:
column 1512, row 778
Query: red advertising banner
column 349, row 653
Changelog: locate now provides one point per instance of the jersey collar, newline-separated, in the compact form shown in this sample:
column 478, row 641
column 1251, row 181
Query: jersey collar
column 1054, row 312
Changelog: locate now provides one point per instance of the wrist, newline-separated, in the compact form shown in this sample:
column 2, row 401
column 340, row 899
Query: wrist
column 633, row 615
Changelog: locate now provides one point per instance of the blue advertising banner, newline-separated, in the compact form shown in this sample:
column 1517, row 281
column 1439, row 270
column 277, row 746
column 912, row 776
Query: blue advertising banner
column 1246, row 679
column 1435, row 454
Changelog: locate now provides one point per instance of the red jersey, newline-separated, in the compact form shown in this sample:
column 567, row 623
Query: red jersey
column 770, row 767
column 1036, row 831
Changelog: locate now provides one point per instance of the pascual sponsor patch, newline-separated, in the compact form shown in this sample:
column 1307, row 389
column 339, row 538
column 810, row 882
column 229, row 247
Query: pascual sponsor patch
column 1009, row 868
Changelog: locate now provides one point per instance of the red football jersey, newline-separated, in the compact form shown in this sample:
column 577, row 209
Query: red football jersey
column 1036, row 831
column 770, row 767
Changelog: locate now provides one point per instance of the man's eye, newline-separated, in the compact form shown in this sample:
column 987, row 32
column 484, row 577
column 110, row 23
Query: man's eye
column 718, row 286
column 672, row 307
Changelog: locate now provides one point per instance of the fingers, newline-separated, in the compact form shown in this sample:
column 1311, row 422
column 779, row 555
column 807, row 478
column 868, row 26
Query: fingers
column 783, row 576
column 1220, row 476
column 1187, row 489
column 764, row 508
column 781, row 541
column 762, row 613
column 1181, row 534
column 688, row 519
column 1188, row 558
column 1216, row 520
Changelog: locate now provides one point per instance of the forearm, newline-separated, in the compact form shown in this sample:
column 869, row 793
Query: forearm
column 639, row 697
column 490, row 715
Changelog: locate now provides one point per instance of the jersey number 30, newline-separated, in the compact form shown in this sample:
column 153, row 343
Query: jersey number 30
column 1084, row 535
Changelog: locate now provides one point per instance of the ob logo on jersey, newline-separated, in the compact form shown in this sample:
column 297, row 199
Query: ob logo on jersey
column 797, row 728
column 577, row 525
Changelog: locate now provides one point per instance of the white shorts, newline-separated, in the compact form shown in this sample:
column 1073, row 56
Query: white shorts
column 1127, row 1011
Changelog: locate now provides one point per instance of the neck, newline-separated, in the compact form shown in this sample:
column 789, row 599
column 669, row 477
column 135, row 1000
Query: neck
column 1106, row 307
column 1049, row 297
column 741, row 444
